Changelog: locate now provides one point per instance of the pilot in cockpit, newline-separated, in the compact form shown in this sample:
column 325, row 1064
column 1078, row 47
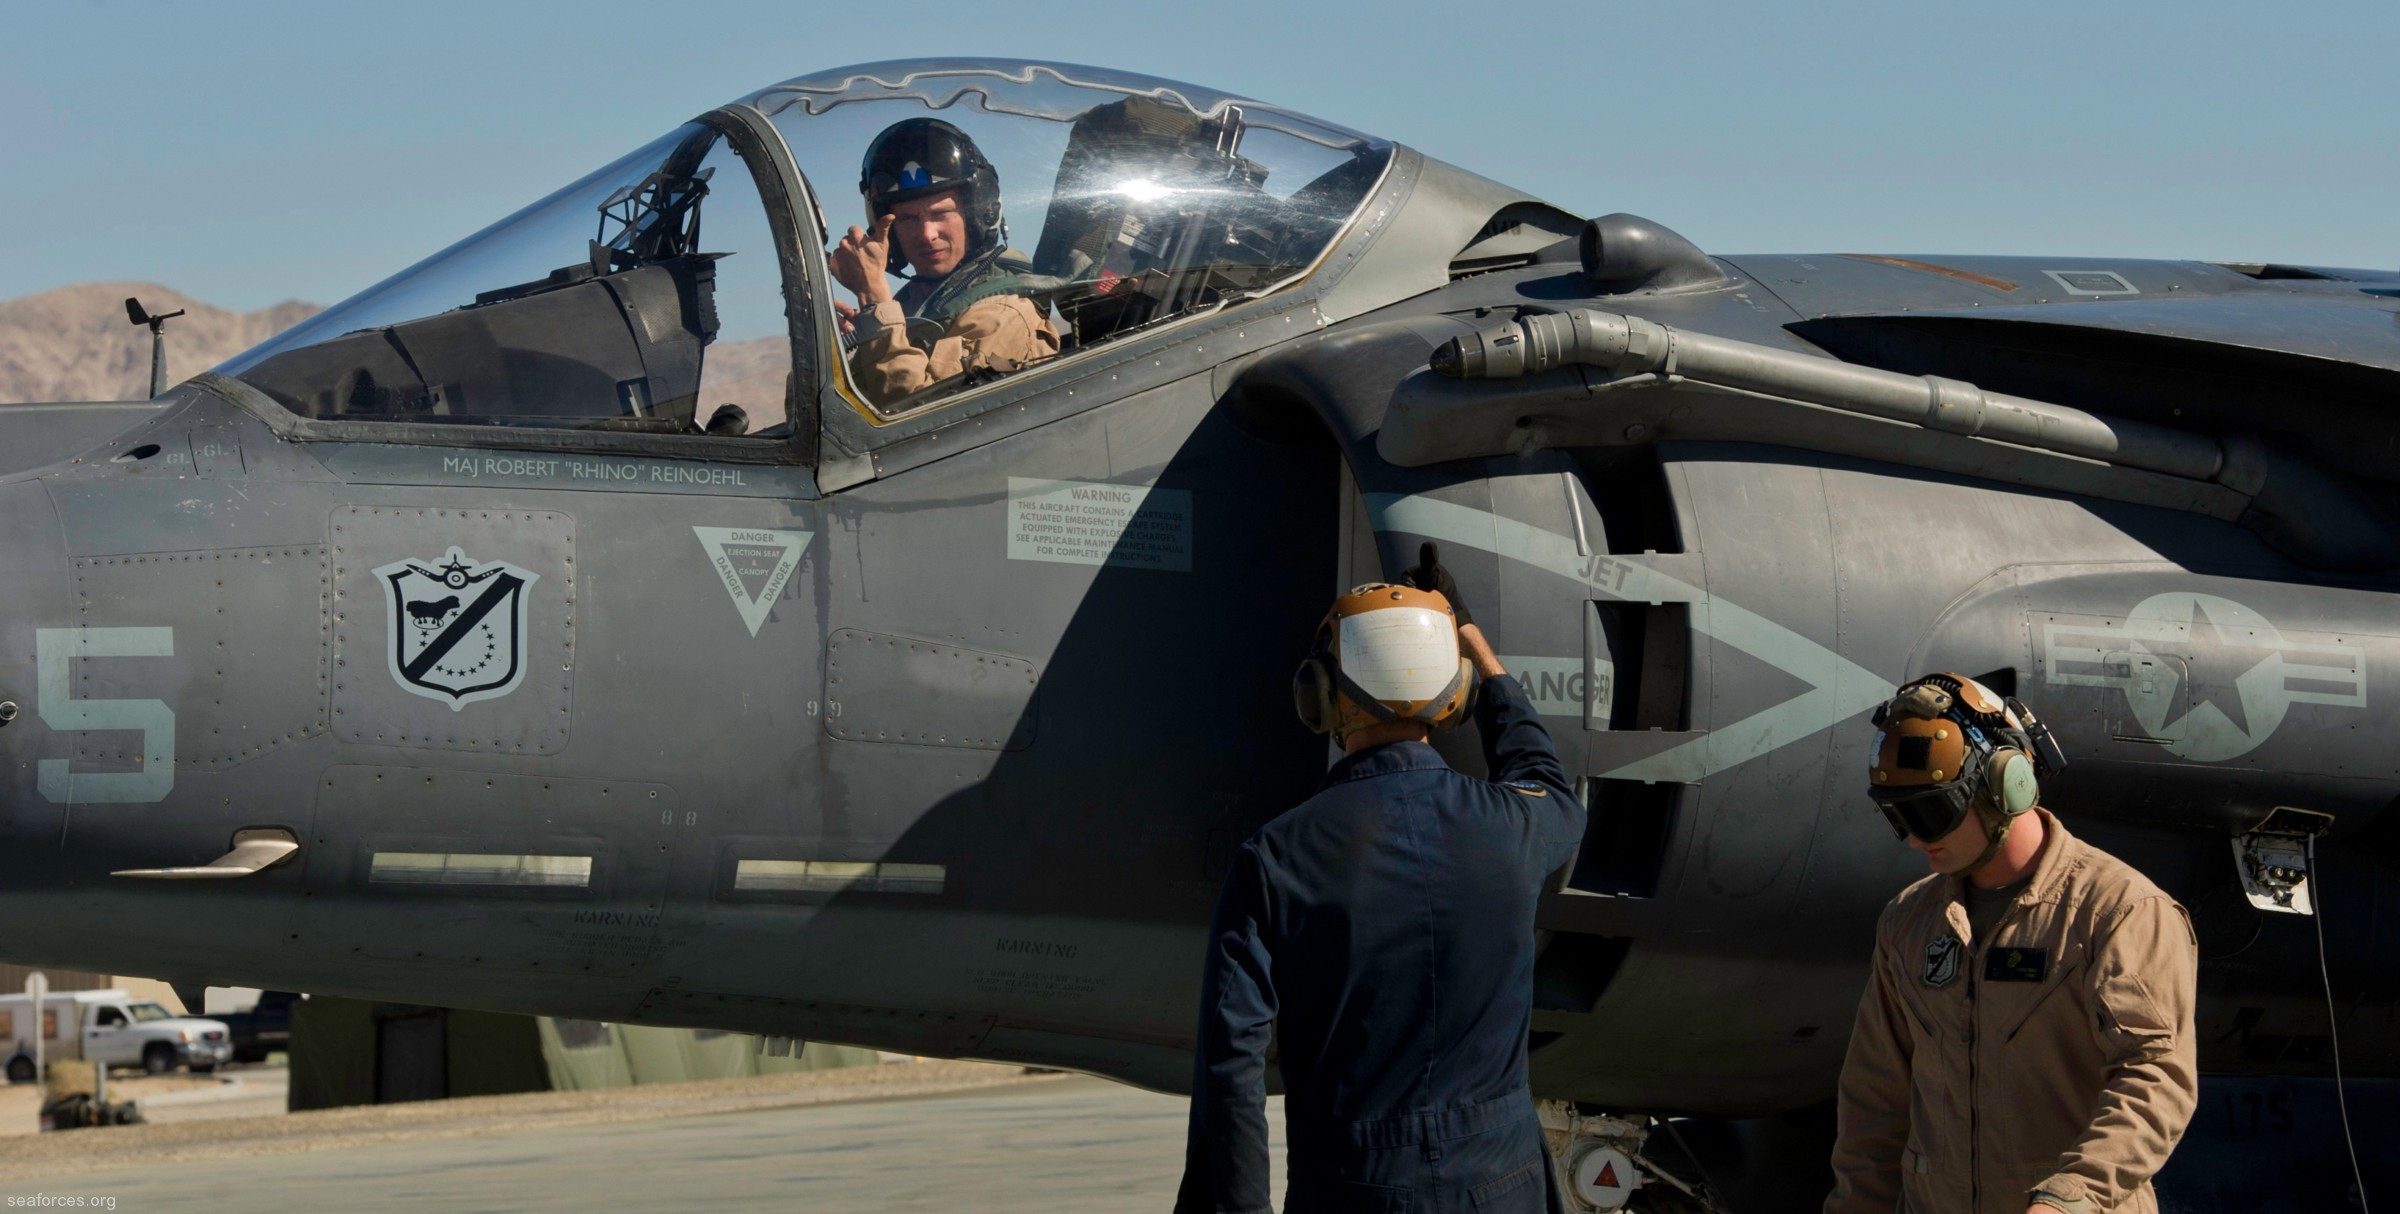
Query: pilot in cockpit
column 934, row 203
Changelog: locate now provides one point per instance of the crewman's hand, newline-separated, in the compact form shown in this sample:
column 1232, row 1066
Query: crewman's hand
column 845, row 316
column 1428, row 574
column 2043, row 1207
column 859, row 261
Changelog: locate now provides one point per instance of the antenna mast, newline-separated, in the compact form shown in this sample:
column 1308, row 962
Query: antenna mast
column 158, row 341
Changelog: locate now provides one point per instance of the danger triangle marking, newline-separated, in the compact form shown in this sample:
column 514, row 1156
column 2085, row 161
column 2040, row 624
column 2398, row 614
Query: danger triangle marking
column 1608, row 1175
column 754, row 564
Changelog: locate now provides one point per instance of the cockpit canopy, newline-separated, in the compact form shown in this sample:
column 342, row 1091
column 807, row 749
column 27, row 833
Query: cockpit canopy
column 684, row 287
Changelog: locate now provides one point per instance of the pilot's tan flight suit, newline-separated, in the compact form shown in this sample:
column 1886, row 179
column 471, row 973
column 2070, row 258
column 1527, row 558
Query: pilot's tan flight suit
column 2052, row 1062
column 999, row 332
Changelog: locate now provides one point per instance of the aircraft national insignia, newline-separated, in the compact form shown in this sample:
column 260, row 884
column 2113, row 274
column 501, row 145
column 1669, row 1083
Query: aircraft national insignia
column 457, row 626
column 2206, row 676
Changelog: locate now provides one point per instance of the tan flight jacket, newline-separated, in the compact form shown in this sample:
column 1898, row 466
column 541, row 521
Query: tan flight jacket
column 1969, row 1095
column 999, row 332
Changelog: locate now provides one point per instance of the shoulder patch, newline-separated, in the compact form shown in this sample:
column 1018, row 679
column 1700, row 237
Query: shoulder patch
column 1528, row 787
column 1941, row 960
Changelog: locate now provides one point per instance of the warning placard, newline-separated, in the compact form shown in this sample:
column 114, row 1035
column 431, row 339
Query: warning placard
column 1096, row 523
column 753, row 564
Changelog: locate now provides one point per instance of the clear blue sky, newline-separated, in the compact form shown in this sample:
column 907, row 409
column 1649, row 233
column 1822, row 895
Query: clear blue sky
column 246, row 152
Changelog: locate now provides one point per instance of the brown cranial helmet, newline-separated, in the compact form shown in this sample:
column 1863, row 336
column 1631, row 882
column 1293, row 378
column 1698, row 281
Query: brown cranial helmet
column 1384, row 653
column 1949, row 745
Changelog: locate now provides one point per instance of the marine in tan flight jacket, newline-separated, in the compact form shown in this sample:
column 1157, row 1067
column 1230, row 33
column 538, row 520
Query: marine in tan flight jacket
column 2025, row 1041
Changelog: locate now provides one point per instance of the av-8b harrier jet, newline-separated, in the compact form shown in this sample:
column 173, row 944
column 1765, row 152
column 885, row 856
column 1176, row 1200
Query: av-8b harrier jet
column 561, row 626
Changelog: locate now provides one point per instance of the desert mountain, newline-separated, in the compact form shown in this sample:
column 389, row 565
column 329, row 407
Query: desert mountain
column 74, row 343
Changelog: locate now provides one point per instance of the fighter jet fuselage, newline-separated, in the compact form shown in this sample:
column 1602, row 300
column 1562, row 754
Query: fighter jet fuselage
column 931, row 724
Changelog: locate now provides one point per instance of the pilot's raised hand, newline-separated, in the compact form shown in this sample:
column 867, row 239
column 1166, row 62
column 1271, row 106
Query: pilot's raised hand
column 859, row 261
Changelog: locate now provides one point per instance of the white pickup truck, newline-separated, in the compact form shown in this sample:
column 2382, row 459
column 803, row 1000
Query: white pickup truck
column 109, row 1028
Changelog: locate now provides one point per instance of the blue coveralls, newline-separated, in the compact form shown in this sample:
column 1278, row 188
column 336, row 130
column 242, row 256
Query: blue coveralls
column 1383, row 933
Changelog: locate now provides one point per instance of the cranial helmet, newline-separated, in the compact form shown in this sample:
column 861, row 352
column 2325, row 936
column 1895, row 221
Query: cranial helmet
column 1949, row 744
column 1384, row 653
column 922, row 156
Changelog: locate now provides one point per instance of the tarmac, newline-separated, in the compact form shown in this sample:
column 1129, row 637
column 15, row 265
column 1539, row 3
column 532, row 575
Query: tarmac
column 900, row 1137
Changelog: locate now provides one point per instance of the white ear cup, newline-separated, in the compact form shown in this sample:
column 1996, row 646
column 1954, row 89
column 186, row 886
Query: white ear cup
column 2014, row 787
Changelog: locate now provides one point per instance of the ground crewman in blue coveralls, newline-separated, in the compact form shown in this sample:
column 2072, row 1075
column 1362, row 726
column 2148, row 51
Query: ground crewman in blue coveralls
column 1381, row 935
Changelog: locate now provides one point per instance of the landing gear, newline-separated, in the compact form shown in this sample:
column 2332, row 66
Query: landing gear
column 1602, row 1168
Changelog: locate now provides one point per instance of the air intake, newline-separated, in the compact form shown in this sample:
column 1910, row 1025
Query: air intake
column 1625, row 253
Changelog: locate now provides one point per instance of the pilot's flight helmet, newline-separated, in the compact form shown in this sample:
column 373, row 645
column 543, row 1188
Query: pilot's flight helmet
column 922, row 156
column 1949, row 744
column 1384, row 653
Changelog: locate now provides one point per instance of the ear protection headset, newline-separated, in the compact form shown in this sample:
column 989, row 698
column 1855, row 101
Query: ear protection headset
column 1949, row 743
column 1384, row 653
column 1314, row 684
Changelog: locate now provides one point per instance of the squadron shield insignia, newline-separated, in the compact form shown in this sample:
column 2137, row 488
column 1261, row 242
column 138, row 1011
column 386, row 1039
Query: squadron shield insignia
column 457, row 631
column 1941, row 961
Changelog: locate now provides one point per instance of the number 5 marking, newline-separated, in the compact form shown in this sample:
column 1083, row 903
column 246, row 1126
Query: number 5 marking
column 55, row 650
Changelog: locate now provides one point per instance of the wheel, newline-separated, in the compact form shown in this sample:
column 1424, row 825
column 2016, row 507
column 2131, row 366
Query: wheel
column 20, row 1069
column 158, row 1058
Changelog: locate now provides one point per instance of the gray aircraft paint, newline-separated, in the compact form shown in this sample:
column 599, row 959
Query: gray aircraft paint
column 614, row 473
column 2160, row 671
column 526, row 711
column 1099, row 523
column 1838, row 687
column 2091, row 282
column 988, row 725
column 64, row 711
column 1565, row 687
column 2140, row 656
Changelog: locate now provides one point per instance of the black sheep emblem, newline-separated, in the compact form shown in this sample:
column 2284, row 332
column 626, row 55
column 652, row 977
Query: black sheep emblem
column 457, row 631
column 427, row 616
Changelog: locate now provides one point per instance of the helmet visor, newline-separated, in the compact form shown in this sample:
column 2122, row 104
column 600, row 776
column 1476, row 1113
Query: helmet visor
column 921, row 160
column 1927, row 811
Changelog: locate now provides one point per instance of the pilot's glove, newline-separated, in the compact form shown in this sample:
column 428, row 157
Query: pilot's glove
column 859, row 260
column 1428, row 574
